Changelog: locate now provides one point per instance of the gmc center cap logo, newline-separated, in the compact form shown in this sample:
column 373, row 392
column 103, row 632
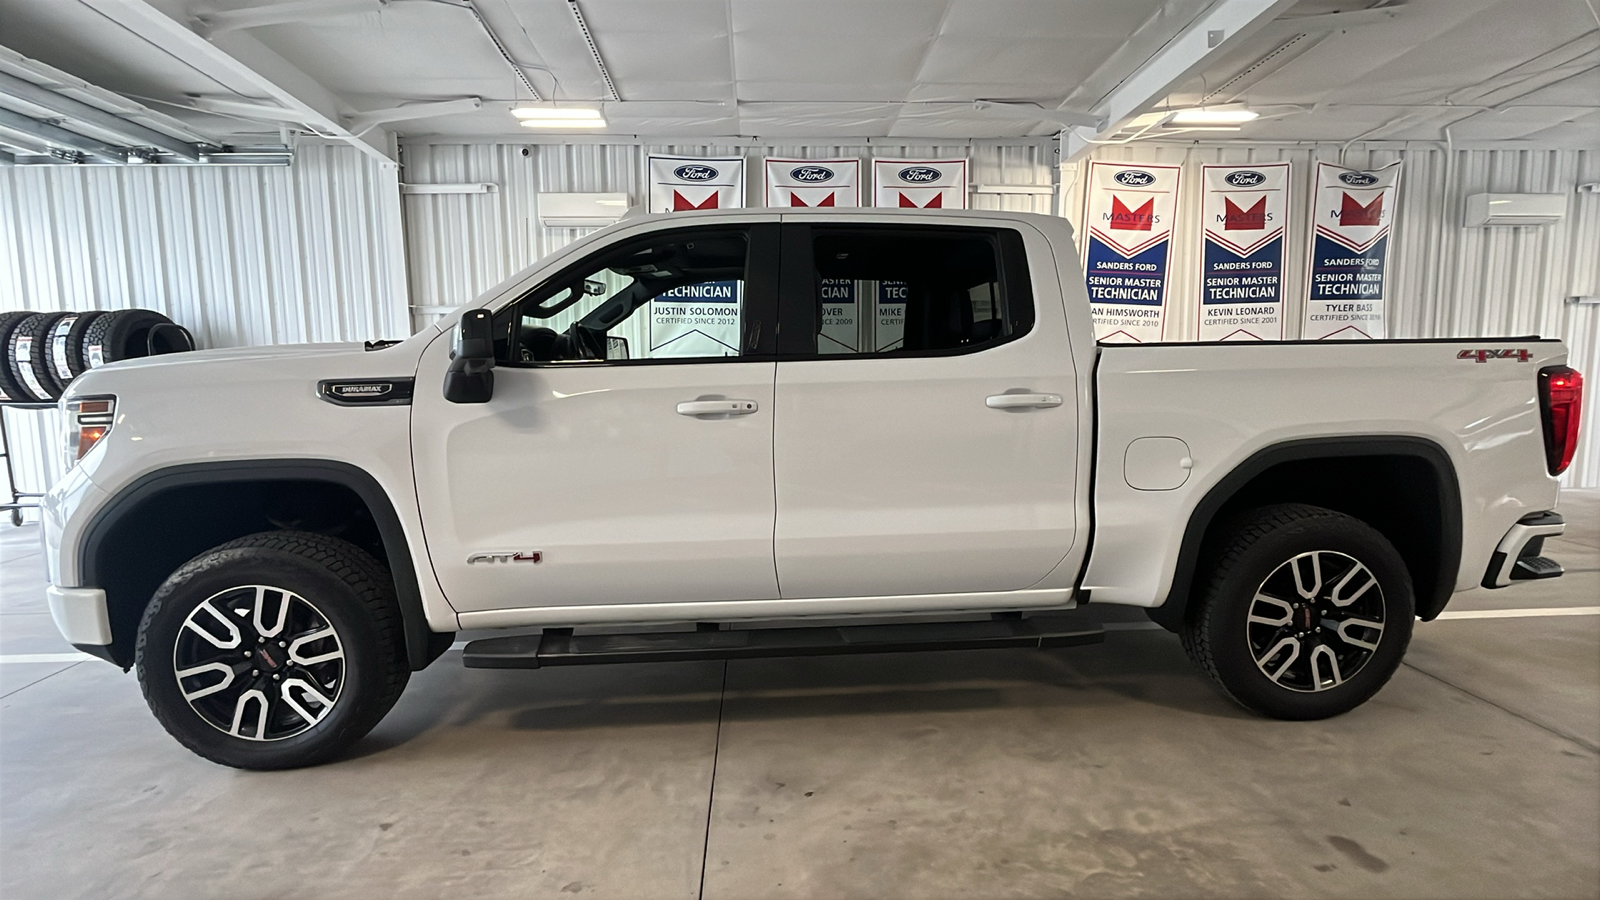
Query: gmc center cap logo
column 1134, row 178
column 1244, row 178
column 812, row 174
column 1358, row 179
column 694, row 173
column 919, row 174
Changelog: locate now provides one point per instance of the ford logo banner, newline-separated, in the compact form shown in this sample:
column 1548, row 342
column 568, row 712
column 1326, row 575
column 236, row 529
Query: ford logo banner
column 1358, row 179
column 919, row 174
column 1244, row 178
column 812, row 174
column 1134, row 178
column 695, row 173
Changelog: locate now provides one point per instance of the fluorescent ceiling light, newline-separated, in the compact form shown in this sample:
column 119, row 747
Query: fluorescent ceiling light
column 1212, row 116
column 563, row 123
column 542, row 114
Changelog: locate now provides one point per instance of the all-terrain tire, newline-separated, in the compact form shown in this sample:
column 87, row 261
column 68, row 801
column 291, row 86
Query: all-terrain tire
column 321, row 583
column 123, row 334
column 11, row 388
column 28, row 356
column 70, row 358
column 1299, row 563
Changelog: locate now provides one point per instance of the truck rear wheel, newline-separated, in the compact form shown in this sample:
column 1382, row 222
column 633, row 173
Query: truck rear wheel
column 1306, row 614
column 273, row 651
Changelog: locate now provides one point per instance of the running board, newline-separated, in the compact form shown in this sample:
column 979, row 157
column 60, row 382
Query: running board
column 560, row 647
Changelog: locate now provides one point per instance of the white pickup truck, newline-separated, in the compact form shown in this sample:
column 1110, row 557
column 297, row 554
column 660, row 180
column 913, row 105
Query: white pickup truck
column 746, row 423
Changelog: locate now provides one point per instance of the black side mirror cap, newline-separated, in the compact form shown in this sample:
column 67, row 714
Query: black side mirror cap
column 470, row 378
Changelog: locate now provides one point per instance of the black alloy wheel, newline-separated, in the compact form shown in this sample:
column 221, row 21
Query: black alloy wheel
column 1306, row 612
column 273, row 651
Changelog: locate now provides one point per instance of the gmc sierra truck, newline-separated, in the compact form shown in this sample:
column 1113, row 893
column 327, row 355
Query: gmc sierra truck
column 751, row 433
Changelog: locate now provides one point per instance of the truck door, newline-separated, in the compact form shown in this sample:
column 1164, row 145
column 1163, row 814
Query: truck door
column 626, row 455
column 926, row 428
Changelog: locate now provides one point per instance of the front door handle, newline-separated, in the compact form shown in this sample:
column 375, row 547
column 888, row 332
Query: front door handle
column 1023, row 401
column 708, row 408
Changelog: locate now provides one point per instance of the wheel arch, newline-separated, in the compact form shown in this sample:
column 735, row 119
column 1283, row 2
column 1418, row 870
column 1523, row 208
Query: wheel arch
column 236, row 487
column 1356, row 475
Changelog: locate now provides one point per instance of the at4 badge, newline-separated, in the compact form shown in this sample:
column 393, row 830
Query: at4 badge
column 510, row 556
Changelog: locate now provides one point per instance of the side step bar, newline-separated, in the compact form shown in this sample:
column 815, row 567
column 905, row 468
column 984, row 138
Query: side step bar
column 560, row 647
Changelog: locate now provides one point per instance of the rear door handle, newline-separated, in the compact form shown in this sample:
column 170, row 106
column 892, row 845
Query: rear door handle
column 1023, row 401
column 707, row 408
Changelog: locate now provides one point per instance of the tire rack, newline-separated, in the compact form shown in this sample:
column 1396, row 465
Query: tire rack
column 20, row 500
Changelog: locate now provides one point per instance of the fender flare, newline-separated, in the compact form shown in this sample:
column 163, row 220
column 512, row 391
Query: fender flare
column 1170, row 614
column 422, row 645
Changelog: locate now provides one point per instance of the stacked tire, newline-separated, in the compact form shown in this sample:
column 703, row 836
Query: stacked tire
column 40, row 353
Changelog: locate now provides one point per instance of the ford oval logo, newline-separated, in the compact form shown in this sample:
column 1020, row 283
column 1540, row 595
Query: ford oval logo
column 812, row 174
column 1358, row 179
column 919, row 174
column 1244, row 178
column 1134, row 178
column 695, row 173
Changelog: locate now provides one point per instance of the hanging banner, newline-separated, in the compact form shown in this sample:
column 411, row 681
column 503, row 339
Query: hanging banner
column 678, row 183
column 813, row 182
column 1244, row 210
column 1351, row 212
column 889, row 330
column 919, row 183
column 840, row 331
column 696, row 320
column 1129, row 213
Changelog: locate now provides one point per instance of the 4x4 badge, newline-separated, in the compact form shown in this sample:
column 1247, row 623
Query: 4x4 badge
column 1520, row 355
column 527, row 556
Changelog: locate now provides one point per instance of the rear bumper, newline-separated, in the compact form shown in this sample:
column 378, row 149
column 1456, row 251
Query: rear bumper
column 1517, row 557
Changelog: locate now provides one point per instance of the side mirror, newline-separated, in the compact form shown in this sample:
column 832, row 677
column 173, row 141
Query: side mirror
column 470, row 378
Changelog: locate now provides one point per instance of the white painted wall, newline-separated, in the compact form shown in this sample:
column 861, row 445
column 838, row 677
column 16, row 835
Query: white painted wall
column 239, row 256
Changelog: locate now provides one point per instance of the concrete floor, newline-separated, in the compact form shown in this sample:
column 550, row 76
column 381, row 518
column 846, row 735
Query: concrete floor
column 1112, row 770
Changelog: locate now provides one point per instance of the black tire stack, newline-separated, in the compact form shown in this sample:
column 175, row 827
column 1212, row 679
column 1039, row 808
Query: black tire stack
column 40, row 353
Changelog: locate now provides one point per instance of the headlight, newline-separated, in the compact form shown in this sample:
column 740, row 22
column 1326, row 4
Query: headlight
column 88, row 420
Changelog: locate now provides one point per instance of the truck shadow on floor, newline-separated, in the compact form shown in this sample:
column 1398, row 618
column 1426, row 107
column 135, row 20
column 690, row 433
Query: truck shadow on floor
column 1131, row 670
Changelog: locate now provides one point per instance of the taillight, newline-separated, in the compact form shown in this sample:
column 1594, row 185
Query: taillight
column 89, row 420
column 1560, row 399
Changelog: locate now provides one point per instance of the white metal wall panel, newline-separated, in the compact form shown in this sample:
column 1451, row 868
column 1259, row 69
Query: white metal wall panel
column 240, row 256
column 1445, row 280
column 458, row 245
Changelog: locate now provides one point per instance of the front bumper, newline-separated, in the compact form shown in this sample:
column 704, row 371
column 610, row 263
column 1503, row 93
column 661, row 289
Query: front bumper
column 80, row 615
column 1518, row 556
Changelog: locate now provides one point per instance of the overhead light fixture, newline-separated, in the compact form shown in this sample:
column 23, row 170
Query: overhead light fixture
column 1212, row 116
column 552, row 117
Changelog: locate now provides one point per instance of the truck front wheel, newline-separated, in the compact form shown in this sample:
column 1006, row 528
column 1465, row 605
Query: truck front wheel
column 1306, row 614
column 273, row 651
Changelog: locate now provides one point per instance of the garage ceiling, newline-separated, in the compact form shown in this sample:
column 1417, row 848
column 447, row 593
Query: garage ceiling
column 1489, row 70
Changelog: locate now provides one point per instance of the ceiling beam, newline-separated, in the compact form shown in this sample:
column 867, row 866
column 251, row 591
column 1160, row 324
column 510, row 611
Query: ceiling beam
column 76, row 110
column 248, row 67
column 60, row 138
column 1217, row 30
column 361, row 121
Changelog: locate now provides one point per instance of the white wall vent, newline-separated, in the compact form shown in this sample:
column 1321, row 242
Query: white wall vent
column 581, row 210
column 1496, row 210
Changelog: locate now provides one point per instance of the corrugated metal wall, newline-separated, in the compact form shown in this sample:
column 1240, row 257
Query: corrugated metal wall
column 240, row 256
column 314, row 251
column 459, row 245
column 1445, row 280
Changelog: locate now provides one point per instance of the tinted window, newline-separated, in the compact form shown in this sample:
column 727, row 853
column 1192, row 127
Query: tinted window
column 898, row 290
column 677, row 295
